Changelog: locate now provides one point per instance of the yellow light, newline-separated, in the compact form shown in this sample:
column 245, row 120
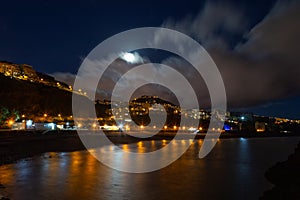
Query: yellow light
column 79, row 125
column 23, row 116
column 165, row 127
column 213, row 129
column 175, row 127
column 183, row 128
column 125, row 147
column 142, row 126
column 154, row 127
column 140, row 144
column 200, row 128
column 45, row 115
column 11, row 122
column 59, row 115
column 94, row 125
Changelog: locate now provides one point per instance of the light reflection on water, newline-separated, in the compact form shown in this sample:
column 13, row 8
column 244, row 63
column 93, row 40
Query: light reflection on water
column 234, row 169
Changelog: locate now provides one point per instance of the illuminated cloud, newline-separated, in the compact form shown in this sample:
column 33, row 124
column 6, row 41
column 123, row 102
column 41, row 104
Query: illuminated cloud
column 132, row 58
column 260, row 68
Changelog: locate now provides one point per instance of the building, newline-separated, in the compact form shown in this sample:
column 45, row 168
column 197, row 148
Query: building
column 23, row 71
column 28, row 72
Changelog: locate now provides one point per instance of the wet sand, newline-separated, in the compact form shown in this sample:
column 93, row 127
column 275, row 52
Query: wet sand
column 15, row 145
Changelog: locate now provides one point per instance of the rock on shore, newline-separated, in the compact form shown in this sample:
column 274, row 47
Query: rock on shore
column 285, row 176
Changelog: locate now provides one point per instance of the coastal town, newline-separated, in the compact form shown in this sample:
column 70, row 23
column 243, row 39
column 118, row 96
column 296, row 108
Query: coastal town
column 132, row 117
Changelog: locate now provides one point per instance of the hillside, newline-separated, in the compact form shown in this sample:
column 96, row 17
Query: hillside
column 34, row 99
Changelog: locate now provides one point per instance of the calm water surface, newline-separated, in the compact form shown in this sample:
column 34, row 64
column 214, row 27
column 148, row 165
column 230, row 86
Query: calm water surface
column 233, row 170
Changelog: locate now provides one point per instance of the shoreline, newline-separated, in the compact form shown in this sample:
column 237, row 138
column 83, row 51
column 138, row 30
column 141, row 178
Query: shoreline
column 17, row 145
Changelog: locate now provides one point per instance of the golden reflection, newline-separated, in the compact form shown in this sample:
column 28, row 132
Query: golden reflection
column 164, row 142
column 125, row 147
column 153, row 147
column 75, row 156
column 140, row 144
column 83, row 168
column 140, row 148
column 91, row 163
column 111, row 147
column 8, row 177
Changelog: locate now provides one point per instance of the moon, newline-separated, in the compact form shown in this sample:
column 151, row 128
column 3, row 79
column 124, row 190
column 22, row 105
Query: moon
column 128, row 57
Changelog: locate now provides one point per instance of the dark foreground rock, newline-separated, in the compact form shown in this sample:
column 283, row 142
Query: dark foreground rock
column 285, row 176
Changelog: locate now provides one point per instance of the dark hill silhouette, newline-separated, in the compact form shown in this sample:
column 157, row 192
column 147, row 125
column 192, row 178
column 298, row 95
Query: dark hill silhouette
column 34, row 99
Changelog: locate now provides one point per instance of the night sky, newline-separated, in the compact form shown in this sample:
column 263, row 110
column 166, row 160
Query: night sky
column 254, row 43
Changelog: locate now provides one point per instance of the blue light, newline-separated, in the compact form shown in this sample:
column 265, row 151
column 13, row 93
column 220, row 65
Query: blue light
column 120, row 126
column 227, row 127
column 51, row 126
column 242, row 117
column 29, row 123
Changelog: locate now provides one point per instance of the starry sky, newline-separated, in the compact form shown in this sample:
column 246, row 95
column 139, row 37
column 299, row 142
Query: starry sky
column 255, row 44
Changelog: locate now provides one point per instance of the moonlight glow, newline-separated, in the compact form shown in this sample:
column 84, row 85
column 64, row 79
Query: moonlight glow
column 129, row 57
column 132, row 58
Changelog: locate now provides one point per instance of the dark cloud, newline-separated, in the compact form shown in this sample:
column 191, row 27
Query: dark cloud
column 213, row 19
column 263, row 68
column 260, row 68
